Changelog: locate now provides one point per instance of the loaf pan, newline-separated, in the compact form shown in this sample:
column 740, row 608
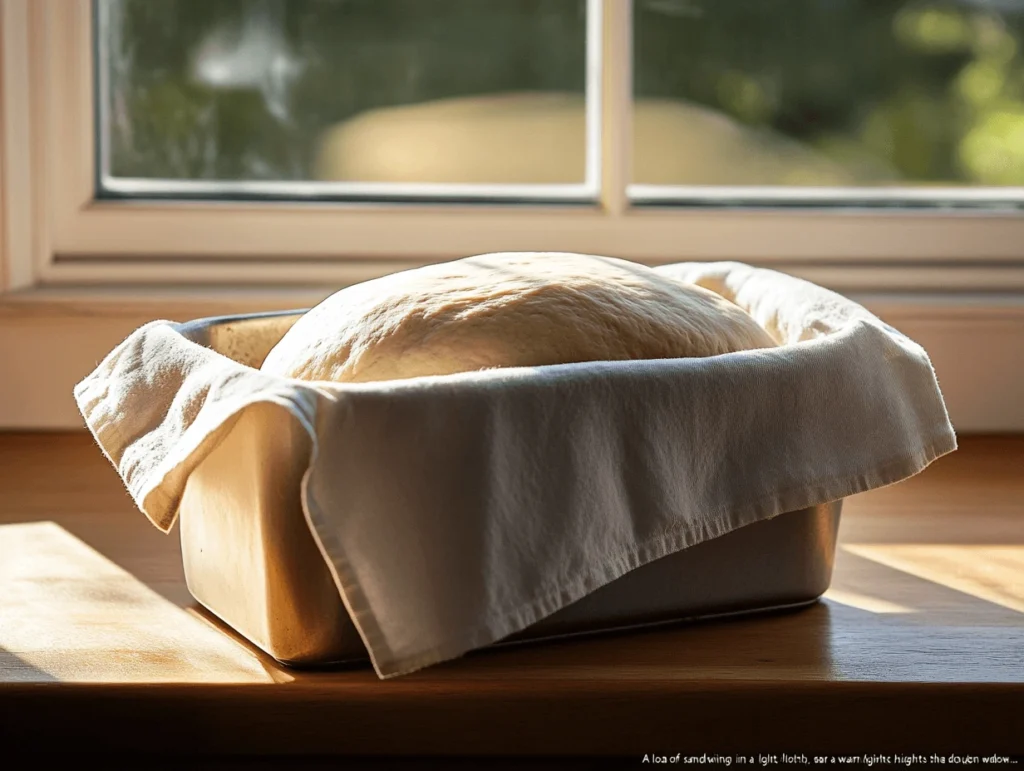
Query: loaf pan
column 251, row 560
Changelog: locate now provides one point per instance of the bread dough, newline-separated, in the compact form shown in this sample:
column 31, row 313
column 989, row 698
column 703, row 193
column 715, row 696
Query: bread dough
column 508, row 310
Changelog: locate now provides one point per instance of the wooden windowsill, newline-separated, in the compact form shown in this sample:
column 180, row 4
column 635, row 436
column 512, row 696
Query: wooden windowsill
column 918, row 646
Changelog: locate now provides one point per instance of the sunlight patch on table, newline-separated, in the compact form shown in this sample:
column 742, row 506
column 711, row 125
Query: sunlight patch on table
column 994, row 573
column 70, row 614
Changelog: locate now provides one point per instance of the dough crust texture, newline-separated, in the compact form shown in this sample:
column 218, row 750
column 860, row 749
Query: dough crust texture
column 518, row 309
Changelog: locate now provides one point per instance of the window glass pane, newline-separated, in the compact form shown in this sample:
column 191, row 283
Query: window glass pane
column 850, row 93
column 353, row 91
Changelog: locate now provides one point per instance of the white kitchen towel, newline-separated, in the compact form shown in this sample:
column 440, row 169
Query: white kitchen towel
column 456, row 510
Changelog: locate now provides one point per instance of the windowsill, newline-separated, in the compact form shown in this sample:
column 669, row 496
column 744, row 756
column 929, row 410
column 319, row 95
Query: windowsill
column 179, row 302
column 174, row 300
column 915, row 648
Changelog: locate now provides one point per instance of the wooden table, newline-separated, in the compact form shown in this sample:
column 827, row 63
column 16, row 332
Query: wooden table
column 918, row 646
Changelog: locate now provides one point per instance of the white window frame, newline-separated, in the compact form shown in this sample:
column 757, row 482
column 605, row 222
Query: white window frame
column 56, row 233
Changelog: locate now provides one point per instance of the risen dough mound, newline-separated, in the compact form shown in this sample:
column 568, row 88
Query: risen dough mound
column 508, row 310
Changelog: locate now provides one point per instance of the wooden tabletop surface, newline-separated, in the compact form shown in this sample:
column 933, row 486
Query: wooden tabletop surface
column 917, row 647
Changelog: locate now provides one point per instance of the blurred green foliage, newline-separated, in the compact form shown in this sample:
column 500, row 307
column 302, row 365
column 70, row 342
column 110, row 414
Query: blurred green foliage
column 350, row 56
column 901, row 91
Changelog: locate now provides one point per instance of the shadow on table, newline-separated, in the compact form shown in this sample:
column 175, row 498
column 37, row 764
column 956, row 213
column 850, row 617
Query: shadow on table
column 15, row 669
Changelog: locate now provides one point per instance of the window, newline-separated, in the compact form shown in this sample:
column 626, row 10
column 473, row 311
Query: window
column 864, row 145
column 907, row 102
column 488, row 99
column 347, row 100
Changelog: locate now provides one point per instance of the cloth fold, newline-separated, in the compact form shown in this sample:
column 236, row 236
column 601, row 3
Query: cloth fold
column 454, row 511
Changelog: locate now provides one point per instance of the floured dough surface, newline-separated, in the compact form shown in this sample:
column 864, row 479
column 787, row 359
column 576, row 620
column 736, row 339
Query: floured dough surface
column 508, row 310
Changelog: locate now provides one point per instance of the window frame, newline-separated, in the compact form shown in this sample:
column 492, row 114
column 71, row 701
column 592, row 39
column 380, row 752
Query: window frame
column 56, row 232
